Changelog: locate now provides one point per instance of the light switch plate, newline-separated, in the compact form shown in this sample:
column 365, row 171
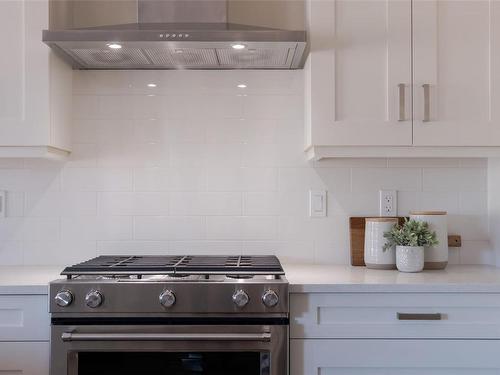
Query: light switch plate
column 317, row 203
column 3, row 203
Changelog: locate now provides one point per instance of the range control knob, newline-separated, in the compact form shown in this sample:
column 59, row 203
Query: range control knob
column 93, row 299
column 167, row 298
column 270, row 298
column 63, row 298
column 240, row 298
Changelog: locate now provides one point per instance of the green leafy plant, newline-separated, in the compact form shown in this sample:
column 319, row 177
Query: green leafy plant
column 411, row 233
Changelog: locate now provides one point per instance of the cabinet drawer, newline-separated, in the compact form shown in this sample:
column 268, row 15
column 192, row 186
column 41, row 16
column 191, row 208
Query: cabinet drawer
column 24, row 318
column 26, row 358
column 395, row 315
column 394, row 357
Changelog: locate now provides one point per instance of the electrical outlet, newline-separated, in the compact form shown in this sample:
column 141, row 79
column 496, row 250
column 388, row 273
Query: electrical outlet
column 388, row 203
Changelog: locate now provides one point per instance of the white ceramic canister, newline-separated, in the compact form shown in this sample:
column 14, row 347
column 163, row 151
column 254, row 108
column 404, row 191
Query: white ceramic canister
column 375, row 256
column 410, row 258
column 436, row 257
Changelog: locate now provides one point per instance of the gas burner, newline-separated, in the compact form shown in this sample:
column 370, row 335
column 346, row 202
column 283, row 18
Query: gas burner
column 175, row 266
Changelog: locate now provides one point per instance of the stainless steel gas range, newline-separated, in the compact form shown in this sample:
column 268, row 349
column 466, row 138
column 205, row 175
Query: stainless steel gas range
column 175, row 315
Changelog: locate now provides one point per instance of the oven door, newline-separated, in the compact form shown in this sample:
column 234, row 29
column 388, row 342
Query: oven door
column 169, row 349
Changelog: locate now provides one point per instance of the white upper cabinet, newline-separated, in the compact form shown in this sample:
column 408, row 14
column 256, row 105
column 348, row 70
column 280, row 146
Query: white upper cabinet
column 456, row 72
column 403, row 78
column 360, row 59
column 35, row 89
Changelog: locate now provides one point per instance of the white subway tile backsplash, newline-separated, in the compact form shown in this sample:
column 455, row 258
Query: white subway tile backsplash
column 366, row 179
column 11, row 229
column 104, row 228
column 196, row 165
column 242, row 227
column 423, row 163
column 255, row 204
column 438, row 201
column 83, row 155
column 273, row 106
column 41, row 229
column 205, row 204
column 137, row 203
column 259, row 155
column 477, row 252
column 97, row 179
column 224, row 155
column 55, row 204
column 132, row 247
column 169, row 228
column 188, row 155
column 187, row 179
column 454, row 179
column 206, row 247
column 14, row 204
column 473, row 203
column 11, row 163
column 242, row 179
column 11, row 253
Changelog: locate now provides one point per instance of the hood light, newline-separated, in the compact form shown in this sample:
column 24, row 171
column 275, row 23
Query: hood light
column 114, row 46
column 152, row 85
column 242, row 86
column 238, row 46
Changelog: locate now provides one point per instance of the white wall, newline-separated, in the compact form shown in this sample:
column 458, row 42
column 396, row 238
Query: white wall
column 205, row 167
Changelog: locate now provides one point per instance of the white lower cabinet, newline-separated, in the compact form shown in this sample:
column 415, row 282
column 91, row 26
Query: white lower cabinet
column 24, row 335
column 26, row 358
column 403, row 333
column 394, row 357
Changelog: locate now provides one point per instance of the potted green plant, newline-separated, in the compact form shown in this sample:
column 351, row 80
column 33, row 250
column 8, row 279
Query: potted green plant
column 410, row 240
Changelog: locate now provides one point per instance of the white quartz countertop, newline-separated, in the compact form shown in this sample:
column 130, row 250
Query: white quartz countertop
column 308, row 278
column 330, row 278
column 27, row 279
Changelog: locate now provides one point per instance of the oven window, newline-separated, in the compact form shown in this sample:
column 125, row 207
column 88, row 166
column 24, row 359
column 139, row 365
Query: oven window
column 171, row 363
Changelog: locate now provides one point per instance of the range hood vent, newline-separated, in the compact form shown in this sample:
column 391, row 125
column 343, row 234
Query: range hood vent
column 179, row 34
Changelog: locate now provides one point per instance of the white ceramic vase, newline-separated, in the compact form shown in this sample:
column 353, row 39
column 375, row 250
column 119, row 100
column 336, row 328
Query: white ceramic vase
column 410, row 258
column 375, row 256
column 436, row 257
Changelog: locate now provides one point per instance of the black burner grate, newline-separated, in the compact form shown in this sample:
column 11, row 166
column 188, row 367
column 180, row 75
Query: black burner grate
column 176, row 264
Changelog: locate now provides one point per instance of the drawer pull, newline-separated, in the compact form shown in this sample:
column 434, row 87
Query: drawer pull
column 419, row 316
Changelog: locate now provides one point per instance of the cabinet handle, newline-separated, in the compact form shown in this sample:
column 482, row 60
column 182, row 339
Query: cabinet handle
column 419, row 316
column 402, row 116
column 427, row 102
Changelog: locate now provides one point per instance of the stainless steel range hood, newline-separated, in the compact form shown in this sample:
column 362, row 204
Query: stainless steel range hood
column 179, row 34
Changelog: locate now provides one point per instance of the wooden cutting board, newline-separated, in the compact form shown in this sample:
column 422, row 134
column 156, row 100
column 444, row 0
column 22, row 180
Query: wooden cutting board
column 357, row 235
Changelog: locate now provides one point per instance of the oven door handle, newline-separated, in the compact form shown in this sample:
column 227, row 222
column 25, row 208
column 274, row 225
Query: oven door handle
column 70, row 336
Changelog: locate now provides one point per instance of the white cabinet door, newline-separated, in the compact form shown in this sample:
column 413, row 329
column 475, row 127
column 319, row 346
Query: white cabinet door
column 24, row 72
column 24, row 318
column 457, row 54
column 24, row 358
column 394, row 357
column 35, row 85
column 358, row 75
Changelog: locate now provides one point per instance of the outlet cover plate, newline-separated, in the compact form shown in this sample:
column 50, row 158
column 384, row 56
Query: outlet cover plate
column 388, row 203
